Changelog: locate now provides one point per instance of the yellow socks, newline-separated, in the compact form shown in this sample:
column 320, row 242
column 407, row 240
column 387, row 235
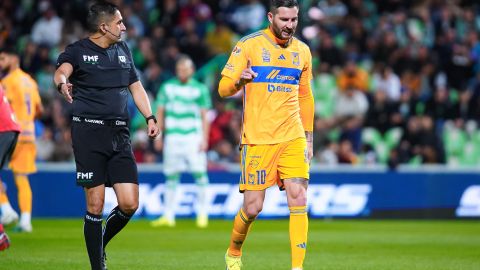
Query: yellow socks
column 241, row 226
column 24, row 193
column 298, row 234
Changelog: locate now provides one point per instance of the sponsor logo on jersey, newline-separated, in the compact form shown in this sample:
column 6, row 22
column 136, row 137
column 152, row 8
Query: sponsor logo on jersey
column 236, row 51
column 120, row 123
column 90, row 59
column 230, row 67
column 281, row 57
column 122, row 58
column 282, row 75
column 265, row 55
column 278, row 88
column 94, row 121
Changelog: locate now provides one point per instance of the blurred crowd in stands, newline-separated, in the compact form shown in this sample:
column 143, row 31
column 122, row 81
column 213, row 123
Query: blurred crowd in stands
column 395, row 81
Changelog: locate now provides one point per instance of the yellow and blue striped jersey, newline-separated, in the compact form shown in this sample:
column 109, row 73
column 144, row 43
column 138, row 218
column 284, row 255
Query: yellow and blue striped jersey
column 271, row 110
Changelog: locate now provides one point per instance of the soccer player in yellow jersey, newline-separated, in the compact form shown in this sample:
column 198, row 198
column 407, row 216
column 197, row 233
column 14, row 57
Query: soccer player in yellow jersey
column 273, row 70
column 22, row 93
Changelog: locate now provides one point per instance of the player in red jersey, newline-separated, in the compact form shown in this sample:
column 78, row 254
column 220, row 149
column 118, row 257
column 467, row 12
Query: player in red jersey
column 9, row 130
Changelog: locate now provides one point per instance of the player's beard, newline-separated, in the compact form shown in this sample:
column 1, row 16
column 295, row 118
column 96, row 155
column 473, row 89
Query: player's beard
column 5, row 70
column 278, row 32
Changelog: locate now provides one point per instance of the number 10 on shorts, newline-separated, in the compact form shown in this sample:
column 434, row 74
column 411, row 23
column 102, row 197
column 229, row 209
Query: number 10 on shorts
column 261, row 175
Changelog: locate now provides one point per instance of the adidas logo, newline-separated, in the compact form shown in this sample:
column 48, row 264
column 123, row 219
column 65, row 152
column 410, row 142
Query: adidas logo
column 281, row 57
column 302, row 245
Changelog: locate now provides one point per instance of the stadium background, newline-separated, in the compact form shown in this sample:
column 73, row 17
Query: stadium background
column 396, row 85
column 408, row 70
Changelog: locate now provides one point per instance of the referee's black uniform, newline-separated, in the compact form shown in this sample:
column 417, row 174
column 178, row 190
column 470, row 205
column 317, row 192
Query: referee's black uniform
column 100, row 135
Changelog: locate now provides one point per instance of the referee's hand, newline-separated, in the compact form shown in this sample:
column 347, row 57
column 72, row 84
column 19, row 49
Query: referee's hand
column 153, row 129
column 66, row 90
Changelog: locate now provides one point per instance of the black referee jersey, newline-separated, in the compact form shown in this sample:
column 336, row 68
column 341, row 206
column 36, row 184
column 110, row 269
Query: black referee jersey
column 100, row 78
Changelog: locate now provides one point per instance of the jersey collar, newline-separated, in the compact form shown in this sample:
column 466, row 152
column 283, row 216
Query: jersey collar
column 274, row 40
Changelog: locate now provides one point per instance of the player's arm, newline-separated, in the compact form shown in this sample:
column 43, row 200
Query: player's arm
column 38, row 103
column 229, row 87
column 38, row 110
column 206, row 130
column 237, row 72
column 306, row 103
column 140, row 98
column 60, row 79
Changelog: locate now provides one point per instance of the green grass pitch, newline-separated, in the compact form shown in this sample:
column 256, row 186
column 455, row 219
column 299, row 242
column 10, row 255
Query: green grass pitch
column 337, row 244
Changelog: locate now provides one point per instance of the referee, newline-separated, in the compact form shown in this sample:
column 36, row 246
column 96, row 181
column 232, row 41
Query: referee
column 95, row 74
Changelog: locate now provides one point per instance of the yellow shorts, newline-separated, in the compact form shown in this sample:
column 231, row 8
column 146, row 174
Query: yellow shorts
column 23, row 158
column 264, row 165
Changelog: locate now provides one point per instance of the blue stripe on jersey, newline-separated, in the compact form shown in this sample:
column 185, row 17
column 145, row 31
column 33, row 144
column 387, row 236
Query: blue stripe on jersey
column 273, row 74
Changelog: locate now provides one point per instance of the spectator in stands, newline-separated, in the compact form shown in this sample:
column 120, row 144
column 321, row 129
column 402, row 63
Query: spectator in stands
column 353, row 77
column 379, row 112
column 350, row 110
column 48, row 28
column 386, row 80
column 248, row 17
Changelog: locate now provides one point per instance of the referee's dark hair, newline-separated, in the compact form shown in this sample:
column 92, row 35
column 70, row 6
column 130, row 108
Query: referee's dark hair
column 275, row 4
column 99, row 12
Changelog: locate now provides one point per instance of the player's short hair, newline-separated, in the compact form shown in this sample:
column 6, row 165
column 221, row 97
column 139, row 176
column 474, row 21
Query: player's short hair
column 275, row 4
column 100, row 11
column 9, row 49
column 184, row 58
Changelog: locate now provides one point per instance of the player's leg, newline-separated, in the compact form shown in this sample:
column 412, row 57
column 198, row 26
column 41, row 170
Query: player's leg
column 8, row 141
column 123, row 177
column 9, row 215
column 23, row 164
column 201, row 180
column 197, row 162
column 294, row 169
column 173, row 164
column 92, row 228
column 127, row 197
column 4, row 241
column 24, row 201
column 91, row 164
column 296, row 189
column 252, row 205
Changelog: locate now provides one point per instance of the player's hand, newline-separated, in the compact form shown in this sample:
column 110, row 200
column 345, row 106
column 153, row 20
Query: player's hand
column 153, row 129
column 247, row 75
column 66, row 91
column 310, row 151
column 309, row 138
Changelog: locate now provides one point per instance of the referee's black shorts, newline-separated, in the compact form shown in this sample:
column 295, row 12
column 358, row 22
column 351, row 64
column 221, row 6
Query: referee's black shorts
column 8, row 140
column 103, row 154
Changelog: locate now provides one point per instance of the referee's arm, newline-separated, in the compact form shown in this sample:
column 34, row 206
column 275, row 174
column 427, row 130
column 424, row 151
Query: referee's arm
column 60, row 78
column 140, row 98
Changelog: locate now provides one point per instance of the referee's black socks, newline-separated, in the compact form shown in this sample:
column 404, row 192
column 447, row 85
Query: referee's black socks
column 115, row 223
column 92, row 229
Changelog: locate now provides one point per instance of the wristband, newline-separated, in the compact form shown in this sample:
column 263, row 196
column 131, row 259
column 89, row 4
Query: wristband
column 151, row 117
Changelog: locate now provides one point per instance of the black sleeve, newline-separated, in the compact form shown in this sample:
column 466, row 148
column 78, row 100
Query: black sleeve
column 68, row 56
column 133, row 71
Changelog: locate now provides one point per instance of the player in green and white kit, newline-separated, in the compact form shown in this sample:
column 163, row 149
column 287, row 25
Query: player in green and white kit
column 182, row 105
